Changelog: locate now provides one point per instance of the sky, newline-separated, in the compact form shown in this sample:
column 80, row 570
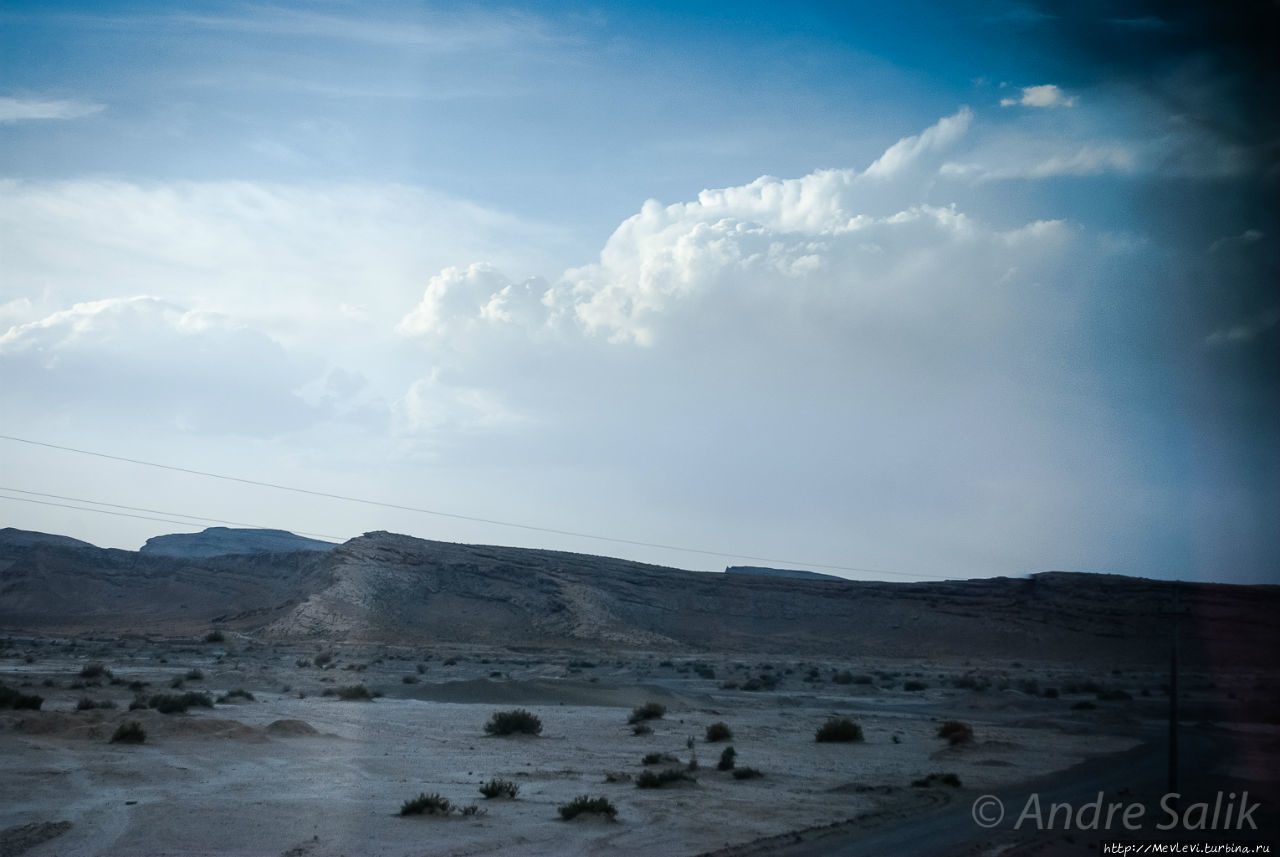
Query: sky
column 904, row 292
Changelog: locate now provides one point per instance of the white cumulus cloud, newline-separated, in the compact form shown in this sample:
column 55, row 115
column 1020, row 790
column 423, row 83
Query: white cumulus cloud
column 1045, row 95
column 26, row 109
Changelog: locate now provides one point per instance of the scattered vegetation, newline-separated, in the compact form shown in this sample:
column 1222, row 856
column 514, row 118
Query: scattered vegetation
column 129, row 733
column 214, row 637
column 648, row 711
column 10, row 698
column 718, row 732
column 94, row 670
column 354, row 693
column 658, row 759
column 500, row 788
column 956, row 732
column 641, row 729
column 589, row 805
column 658, row 779
column 323, row 659
column 238, row 693
column 746, row 774
column 87, row 704
column 839, row 729
column 194, row 675
column 427, row 804
column 937, row 780
column 516, row 721
column 178, row 703
column 726, row 759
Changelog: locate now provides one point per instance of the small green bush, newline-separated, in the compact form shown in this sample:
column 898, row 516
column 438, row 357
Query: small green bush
column 658, row 779
column 746, row 774
column 10, row 698
column 516, row 721
column 87, row 704
column 726, row 759
column 718, row 732
column 648, row 711
column 584, row 804
column 238, row 693
column 427, row 804
column 129, row 733
column 174, row 703
column 956, row 732
column 499, row 788
column 354, row 693
column 839, row 729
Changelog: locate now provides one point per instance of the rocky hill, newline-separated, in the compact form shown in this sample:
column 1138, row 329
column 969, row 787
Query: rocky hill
column 224, row 541
column 393, row 588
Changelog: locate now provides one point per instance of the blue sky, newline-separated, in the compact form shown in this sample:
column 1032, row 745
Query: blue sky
column 936, row 290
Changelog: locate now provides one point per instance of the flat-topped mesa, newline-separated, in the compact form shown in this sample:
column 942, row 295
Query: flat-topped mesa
column 227, row 541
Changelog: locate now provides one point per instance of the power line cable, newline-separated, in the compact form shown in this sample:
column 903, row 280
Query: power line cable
column 201, row 518
column 458, row 517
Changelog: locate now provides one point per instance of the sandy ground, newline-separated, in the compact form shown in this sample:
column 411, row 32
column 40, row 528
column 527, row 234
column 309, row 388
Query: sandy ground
column 299, row 773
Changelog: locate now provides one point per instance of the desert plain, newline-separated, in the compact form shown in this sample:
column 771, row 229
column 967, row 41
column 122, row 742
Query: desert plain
column 319, row 730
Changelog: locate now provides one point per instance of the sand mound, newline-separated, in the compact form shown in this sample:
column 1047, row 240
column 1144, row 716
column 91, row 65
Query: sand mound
column 290, row 728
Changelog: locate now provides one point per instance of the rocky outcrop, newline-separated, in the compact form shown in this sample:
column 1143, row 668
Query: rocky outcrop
column 225, row 541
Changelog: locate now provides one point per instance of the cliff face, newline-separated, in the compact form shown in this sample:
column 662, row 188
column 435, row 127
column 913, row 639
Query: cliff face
column 385, row 587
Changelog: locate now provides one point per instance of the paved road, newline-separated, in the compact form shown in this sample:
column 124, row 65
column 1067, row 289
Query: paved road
column 1136, row 775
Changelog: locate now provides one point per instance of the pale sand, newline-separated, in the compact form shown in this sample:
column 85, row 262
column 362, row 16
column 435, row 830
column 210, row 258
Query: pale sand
column 221, row 782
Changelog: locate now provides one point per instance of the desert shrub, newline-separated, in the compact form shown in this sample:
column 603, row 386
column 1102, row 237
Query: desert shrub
column 87, row 704
column 726, row 759
column 1050, row 693
column 658, row 759
column 409, row 679
column 718, row 732
column 10, row 698
column 516, row 721
column 499, row 788
column 354, row 693
column 1083, row 705
column 956, row 732
column 746, row 774
column 94, row 671
column 658, row 779
column 427, row 804
column 129, row 733
column 302, row 663
column 238, row 693
column 839, row 729
column 214, row 637
column 194, row 675
column 971, row 682
column 584, row 804
column 1113, row 695
column 648, row 711
column 641, row 729
column 177, row 683
column 323, row 659
column 177, row 703
column 844, row 677
column 914, row 685
column 937, row 780
column 704, row 671
column 1029, row 686
column 138, row 686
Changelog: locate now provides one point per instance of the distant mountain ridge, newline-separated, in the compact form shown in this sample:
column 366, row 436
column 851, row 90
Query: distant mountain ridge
column 396, row 589
column 227, row 541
